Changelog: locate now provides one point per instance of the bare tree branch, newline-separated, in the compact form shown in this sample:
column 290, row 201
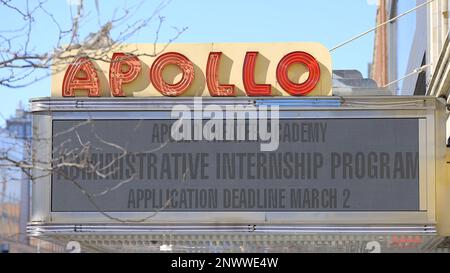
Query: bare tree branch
column 21, row 65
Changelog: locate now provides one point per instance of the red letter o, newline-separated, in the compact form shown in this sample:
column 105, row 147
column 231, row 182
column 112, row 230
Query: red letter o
column 183, row 63
column 298, row 89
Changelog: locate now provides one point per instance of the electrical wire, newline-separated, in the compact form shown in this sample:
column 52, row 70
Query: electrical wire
column 380, row 25
column 415, row 71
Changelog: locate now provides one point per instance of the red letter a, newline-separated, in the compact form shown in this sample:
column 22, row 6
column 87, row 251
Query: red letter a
column 88, row 81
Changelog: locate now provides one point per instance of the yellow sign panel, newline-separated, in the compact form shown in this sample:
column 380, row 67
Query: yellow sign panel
column 224, row 69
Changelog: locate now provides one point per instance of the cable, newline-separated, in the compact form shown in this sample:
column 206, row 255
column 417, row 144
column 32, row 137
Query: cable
column 380, row 25
column 415, row 71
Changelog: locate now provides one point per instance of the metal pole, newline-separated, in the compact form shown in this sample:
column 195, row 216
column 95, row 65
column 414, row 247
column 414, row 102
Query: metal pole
column 24, row 209
column 24, row 196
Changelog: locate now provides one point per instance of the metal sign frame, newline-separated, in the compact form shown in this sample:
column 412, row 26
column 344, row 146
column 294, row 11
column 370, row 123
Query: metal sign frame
column 45, row 110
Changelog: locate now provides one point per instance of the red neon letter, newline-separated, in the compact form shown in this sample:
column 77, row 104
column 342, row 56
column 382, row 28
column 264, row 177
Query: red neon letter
column 298, row 89
column 183, row 63
column 248, row 76
column 117, row 76
column 212, row 78
column 89, row 81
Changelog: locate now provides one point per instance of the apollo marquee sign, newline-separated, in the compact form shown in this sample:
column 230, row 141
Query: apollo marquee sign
column 217, row 70
column 194, row 164
column 236, row 155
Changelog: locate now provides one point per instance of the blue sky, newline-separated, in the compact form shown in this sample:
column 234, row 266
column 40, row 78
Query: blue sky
column 327, row 21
